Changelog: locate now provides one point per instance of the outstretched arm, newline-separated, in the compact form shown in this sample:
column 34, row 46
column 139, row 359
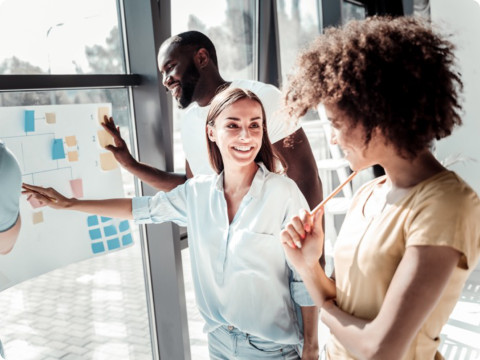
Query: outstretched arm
column 117, row 208
column 158, row 179
column 413, row 293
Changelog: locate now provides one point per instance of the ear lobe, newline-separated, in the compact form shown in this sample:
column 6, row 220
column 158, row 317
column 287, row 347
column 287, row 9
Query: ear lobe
column 211, row 133
column 202, row 57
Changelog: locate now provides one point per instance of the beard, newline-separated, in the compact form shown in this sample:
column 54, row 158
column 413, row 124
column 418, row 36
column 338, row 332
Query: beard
column 188, row 85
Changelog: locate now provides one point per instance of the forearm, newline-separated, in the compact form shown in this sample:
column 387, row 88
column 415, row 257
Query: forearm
column 354, row 333
column 310, row 330
column 116, row 208
column 320, row 287
column 158, row 179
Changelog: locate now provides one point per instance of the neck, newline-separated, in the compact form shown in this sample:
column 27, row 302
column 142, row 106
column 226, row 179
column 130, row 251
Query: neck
column 406, row 173
column 208, row 85
column 239, row 178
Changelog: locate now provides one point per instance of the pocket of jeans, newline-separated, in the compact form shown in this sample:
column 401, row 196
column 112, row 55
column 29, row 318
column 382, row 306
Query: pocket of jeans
column 264, row 345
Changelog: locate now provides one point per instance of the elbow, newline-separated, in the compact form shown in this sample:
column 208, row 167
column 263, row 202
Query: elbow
column 379, row 350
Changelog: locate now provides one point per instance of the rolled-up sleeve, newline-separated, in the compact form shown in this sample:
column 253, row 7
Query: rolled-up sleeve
column 163, row 207
column 298, row 291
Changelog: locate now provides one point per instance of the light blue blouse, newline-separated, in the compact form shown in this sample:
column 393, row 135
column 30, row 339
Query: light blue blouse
column 240, row 273
column 10, row 188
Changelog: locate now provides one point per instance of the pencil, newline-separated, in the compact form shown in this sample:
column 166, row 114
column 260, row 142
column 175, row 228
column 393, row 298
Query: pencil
column 334, row 192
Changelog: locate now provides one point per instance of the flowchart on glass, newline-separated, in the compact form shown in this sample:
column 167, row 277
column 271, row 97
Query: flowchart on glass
column 61, row 146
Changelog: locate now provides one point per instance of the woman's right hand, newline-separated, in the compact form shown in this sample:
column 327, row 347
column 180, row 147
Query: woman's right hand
column 39, row 196
column 303, row 239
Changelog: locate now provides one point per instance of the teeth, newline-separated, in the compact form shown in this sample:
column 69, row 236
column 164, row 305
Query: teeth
column 242, row 148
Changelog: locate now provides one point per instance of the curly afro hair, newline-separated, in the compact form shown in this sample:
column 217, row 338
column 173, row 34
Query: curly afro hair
column 396, row 74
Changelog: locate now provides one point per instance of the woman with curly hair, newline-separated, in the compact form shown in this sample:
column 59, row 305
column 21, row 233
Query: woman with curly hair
column 411, row 237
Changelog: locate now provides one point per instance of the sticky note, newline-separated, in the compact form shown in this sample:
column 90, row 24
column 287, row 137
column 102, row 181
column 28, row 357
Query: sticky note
column 102, row 111
column 104, row 138
column 105, row 219
column 98, row 247
column 127, row 240
column 57, row 149
column 110, row 230
column 107, row 161
column 72, row 156
column 124, row 226
column 113, row 244
column 77, row 188
column 71, row 140
column 51, row 118
column 92, row 220
column 35, row 203
column 29, row 120
column 37, row 217
column 95, row 234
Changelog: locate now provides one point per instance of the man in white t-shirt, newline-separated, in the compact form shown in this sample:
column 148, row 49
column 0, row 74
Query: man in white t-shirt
column 10, row 189
column 188, row 63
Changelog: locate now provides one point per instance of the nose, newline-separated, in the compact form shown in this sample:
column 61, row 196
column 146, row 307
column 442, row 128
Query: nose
column 333, row 138
column 244, row 133
column 167, row 80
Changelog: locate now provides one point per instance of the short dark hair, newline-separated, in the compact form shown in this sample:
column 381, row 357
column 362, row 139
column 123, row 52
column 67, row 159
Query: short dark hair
column 220, row 102
column 197, row 40
column 396, row 74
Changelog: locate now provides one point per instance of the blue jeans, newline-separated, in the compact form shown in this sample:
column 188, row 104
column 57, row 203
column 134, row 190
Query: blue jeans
column 228, row 343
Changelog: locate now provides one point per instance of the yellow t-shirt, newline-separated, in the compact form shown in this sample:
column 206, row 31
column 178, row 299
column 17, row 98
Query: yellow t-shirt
column 442, row 210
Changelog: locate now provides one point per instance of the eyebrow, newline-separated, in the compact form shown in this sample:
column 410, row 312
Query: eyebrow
column 237, row 119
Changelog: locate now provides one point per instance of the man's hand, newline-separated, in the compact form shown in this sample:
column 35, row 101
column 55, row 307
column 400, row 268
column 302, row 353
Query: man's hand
column 120, row 149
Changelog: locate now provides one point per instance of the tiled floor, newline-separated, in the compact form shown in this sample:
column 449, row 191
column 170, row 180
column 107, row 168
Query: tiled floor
column 96, row 310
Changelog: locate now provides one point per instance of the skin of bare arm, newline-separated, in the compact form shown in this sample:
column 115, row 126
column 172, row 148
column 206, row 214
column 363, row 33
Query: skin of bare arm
column 9, row 237
column 158, row 179
column 117, row 208
column 412, row 295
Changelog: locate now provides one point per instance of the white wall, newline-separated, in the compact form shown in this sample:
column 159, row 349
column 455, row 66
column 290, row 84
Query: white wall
column 462, row 18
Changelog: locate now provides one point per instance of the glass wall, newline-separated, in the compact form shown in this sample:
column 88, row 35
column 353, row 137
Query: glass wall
column 60, row 37
column 96, row 308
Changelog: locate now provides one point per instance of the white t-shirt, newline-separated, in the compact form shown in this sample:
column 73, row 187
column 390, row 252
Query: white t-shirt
column 194, row 121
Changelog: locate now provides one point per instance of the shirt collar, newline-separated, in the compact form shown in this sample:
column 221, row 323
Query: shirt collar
column 257, row 183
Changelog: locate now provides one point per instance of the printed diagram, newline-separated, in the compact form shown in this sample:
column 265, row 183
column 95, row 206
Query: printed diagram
column 61, row 146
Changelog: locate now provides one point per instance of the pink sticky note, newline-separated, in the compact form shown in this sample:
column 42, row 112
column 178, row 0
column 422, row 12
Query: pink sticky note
column 77, row 187
column 35, row 203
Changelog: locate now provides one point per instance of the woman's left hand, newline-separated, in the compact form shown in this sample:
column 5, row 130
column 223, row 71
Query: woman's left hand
column 39, row 196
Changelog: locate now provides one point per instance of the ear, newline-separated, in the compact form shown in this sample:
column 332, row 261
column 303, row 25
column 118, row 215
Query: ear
column 211, row 133
column 202, row 58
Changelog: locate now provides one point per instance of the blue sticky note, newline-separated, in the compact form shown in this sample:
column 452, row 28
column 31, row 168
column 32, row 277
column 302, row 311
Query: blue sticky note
column 95, row 234
column 110, row 230
column 92, row 220
column 105, row 219
column 113, row 244
column 98, row 247
column 124, row 226
column 127, row 240
column 57, row 149
column 29, row 120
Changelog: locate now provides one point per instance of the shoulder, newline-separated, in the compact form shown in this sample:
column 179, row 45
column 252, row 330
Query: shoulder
column 8, row 163
column 281, row 183
column 449, row 189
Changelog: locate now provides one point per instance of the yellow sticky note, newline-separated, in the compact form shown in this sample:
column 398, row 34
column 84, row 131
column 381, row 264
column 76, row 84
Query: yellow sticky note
column 71, row 140
column 37, row 217
column 104, row 138
column 107, row 161
column 102, row 111
column 51, row 118
column 72, row 156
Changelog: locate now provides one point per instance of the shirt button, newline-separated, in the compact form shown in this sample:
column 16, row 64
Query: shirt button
column 230, row 327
